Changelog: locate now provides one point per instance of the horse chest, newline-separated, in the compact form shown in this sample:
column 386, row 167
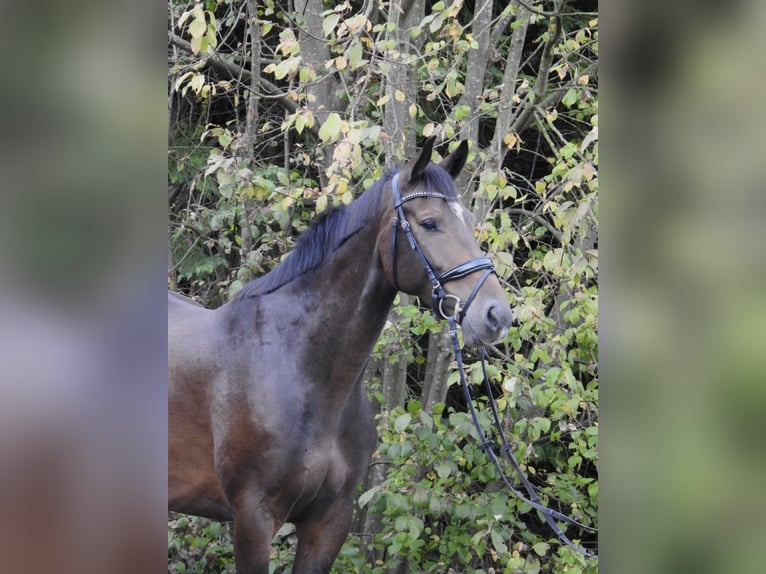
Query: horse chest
column 317, row 475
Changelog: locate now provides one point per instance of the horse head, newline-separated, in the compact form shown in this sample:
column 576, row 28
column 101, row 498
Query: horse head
column 434, row 252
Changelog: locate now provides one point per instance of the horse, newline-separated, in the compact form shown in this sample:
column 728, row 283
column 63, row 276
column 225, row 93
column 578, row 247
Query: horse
column 268, row 418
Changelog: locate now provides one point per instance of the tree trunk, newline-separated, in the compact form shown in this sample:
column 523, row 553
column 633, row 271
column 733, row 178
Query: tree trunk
column 400, row 84
column 322, row 99
column 247, row 145
column 435, row 381
column 476, row 70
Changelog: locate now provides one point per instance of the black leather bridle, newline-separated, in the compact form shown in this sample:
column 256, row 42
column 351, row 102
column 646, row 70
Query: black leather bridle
column 438, row 297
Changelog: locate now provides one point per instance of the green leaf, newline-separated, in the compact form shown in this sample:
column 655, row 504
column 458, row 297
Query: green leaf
column 330, row 129
column 197, row 28
column 461, row 112
column 541, row 548
column 366, row 496
column 401, row 523
column 415, row 526
column 355, row 55
column 443, row 470
column 497, row 541
column 402, row 421
column 286, row 67
column 329, row 23
column 570, row 98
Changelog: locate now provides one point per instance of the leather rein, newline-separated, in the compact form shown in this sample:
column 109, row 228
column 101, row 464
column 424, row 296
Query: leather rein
column 438, row 298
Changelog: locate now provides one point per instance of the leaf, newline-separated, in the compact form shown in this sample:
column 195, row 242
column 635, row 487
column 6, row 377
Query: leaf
column 497, row 541
column 197, row 82
column 197, row 28
column 510, row 140
column 211, row 35
column 329, row 23
column 355, row 55
column 196, row 44
column 321, row 203
column 570, row 98
column 399, row 95
column 461, row 112
column 402, row 421
column 415, row 526
column 443, row 470
column 330, row 129
column 367, row 496
column 428, row 129
column 541, row 548
column 286, row 67
column 300, row 123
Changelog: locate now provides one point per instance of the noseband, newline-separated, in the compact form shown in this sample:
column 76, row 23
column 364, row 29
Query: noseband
column 438, row 295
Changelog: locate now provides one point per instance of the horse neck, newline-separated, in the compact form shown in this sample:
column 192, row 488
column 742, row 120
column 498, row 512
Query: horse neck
column 347, row 301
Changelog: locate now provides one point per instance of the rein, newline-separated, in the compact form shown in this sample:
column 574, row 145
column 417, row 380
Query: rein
column 439, row 296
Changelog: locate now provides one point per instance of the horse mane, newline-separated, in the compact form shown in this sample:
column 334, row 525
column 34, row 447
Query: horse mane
column 333, row 228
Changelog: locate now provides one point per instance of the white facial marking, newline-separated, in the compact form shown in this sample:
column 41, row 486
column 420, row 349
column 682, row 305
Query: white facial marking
column 458, row 210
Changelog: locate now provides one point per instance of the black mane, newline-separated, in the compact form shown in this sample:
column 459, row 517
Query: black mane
column 334, row 228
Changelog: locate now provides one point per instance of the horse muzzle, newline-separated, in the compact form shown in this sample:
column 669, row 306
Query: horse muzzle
column 487, row 323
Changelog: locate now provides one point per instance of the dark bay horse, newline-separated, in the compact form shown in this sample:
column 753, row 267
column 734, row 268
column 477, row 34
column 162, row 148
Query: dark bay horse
column 268, row 419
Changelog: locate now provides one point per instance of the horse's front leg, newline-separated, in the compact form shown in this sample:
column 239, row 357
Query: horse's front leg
column 253, row 531
column 320, row 537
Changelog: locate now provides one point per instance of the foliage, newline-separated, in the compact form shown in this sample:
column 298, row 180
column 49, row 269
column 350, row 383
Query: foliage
column 274, row 122
column 447, row 507
column 197, row 546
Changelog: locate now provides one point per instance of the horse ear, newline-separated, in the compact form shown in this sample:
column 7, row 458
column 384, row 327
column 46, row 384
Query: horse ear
column 418, row 165
column 455, row 161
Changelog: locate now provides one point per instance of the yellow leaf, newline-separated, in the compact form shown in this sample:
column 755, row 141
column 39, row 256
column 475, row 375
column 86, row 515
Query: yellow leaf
column 428, row 129
column 321, row 204
column 399, row 95
column 510, row 139
column 342, row 152
column 382, row 101
column 413, row 111
column 583, row 80
column 340, row 63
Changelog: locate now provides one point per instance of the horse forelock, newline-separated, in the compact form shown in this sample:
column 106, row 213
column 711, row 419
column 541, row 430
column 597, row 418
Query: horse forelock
column 437, row 179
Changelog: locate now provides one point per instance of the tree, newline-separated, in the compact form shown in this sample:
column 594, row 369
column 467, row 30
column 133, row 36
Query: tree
column 280, row 110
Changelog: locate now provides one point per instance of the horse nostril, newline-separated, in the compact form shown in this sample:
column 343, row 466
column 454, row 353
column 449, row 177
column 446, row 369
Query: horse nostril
column 498, row 318
column 492, row 317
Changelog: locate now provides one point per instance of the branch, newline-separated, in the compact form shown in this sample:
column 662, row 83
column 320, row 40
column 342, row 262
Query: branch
column 539, row 218
column 546, row 61
column 218, row 62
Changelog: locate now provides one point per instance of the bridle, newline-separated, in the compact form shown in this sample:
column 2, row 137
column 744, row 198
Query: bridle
column 438, row 297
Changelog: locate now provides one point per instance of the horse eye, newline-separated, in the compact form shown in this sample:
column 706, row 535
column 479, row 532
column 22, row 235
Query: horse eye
column 429, row 225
